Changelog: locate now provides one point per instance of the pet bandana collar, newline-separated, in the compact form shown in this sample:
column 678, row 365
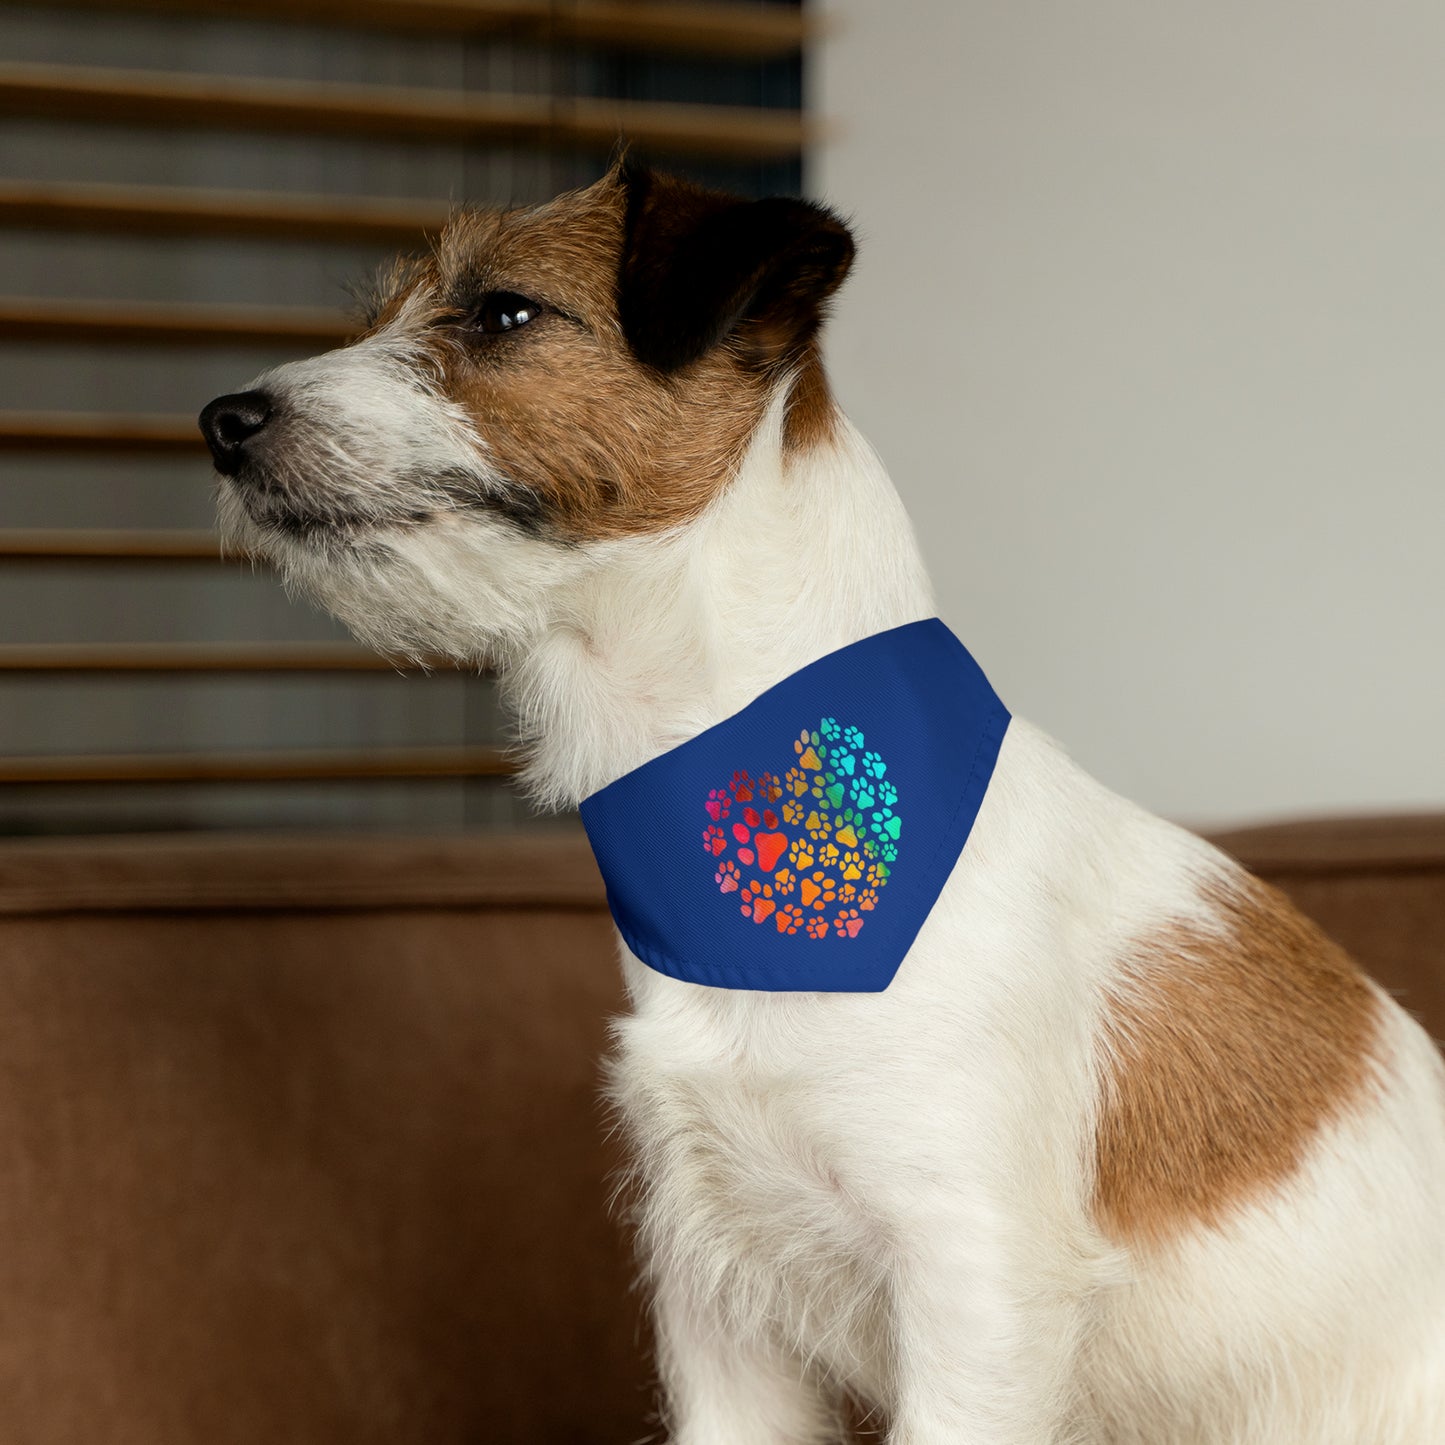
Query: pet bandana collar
column 801, row 843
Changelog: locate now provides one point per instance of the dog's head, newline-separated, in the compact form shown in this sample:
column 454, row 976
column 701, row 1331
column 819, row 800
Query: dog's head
column 548, row 382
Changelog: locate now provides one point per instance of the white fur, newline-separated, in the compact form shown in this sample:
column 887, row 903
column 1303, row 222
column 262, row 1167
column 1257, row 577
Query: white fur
column 890, row 1194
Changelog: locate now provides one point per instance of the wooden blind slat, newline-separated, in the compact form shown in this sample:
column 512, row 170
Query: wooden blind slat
column 217, row 102
column 76, row 544
column 175, row 210
column 170, row 323
column 259, row 767
column 80, row 431
column 706, row 29
column 134, row 657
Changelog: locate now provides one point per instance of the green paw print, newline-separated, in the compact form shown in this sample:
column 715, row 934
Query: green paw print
column 864, row 792
column 829, row 791
column 888, row 852
column 830, row 729
column 887, row 794
column 887, row 824
column 874, row 765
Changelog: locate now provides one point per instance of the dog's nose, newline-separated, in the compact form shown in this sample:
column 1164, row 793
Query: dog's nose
column 229, row 422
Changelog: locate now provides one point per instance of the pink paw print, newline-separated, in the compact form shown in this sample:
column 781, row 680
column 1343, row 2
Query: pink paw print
column 848, row 923
column 719, row 804
column 727, row 877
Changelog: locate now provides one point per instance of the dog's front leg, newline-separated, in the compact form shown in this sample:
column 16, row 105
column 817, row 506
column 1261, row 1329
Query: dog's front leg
column 722, row 1387
column 984, row 1349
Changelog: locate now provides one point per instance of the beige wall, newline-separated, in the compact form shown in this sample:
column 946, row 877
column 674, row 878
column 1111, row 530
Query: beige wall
column 1149, row 323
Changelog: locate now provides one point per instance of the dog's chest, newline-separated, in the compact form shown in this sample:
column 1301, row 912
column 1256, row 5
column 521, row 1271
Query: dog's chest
column 744, row 1184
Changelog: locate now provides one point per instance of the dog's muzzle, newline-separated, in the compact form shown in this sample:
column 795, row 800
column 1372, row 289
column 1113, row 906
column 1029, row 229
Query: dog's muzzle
column 230, row 422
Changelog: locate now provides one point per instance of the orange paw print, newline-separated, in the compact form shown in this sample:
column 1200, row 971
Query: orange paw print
column 796, row 781
column 818, row 890
column 877, row 875
column 847, row 892
column 852, row 868
column 807, row 750
column 828, row 855
column 848, row 924
column 801, row 855
column 758, row 902
column 868, row 898
column 742, row 787
column 783, row 880
column 768, row 788
column 714, row 840
column 792, row 811
column 789, row 918
column 818, row 927
column 727, row 877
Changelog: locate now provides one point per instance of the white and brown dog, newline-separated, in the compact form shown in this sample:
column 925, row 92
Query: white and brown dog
column 1127, row 1152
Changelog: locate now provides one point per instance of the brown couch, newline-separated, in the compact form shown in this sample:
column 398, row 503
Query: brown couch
column 301, row 1140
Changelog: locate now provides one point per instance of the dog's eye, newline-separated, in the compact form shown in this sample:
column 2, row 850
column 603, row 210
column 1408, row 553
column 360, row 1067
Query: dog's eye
column 504, row 311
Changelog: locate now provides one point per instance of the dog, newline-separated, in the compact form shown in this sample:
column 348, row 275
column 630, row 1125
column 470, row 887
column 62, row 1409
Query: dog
column 1127, row 1153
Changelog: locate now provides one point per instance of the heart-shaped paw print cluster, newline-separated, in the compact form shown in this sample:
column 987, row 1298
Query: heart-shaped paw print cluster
column 808, row 849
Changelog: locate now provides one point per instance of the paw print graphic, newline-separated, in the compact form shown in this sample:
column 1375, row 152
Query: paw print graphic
column 847, row 892
column 758, row 902
column 848, row 924
column 796, row 782
column 868, row 898
column 727, row 877
column 870, row 848
column 888, row 852
column 828, row 791
column 768, row 788
column 719, row 804
column 874, row 765
column 818, row 927
column 848, row 827
column 828, row 855
column 810, row 750
column 742, row 787
column 853, row 737
column 818, row 890
column 819, row 825
column 877, row 874
column 789, row 918
column 887, row 794
column 800, row 855
column 714, row 840
column 830, row 729
column 852, row 866
column 887, row 825
column 792, row 811
column 751, row 818
column 783, row 881
column 863, row 792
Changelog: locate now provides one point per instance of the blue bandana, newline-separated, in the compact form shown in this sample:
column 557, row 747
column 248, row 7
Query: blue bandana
column 801, row 843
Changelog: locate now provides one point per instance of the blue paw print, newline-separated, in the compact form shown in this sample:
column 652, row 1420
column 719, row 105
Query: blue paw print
column 829, row 728
column 887, row 794
column 853, row 737
column 864, row 792
column 874, row 765
column 887, row 824
column 844, row 762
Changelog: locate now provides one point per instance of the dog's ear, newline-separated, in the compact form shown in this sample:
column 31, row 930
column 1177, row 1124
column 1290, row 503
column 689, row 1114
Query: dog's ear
column 700, row 266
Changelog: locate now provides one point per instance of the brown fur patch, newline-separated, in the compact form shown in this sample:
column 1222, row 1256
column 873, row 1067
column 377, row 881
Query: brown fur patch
column 1226, row 1053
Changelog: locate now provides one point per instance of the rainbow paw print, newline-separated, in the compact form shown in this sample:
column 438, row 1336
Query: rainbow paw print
column 810, row 846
